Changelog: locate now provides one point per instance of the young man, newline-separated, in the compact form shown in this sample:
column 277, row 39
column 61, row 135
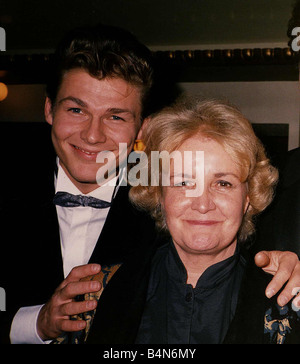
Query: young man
column 96, row 98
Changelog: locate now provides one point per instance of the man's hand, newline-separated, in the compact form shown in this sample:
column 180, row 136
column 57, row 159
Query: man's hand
column 54, row 317
column 285, row 266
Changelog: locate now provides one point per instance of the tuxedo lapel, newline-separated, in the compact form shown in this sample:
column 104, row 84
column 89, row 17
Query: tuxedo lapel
column 120, row 308
column 44, row 234
column 29, row 223
column 48, row 227
column 52, row 247
column 128, row 237
column 121, row 230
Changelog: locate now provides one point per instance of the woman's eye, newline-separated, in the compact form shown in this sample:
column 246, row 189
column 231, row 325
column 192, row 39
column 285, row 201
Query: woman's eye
column 184, row 184
column 224, row 184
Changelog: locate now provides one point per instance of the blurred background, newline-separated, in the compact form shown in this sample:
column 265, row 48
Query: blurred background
column 229, row 49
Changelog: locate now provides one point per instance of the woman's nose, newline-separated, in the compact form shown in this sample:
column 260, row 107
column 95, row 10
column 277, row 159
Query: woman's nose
column 203, row 203
column 93, row 132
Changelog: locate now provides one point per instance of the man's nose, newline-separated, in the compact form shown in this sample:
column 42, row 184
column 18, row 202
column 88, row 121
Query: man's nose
column 203, row 203
column 93, row 132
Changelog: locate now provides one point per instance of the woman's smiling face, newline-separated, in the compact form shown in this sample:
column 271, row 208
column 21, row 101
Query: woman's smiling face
column 206, row 224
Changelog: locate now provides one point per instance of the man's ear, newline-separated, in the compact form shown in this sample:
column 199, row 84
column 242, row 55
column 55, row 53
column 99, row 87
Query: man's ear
column 48, row 111
column 144, row 124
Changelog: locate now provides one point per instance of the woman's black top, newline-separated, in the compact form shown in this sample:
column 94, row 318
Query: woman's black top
column 177, row 313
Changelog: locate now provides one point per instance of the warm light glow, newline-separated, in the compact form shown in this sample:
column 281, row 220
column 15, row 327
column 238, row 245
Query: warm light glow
column 3, row 91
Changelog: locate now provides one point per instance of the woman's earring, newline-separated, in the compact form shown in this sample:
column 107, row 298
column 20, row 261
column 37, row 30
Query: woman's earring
column 139, row 146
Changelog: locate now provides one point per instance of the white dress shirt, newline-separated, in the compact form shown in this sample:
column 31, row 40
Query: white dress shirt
column 79, row 229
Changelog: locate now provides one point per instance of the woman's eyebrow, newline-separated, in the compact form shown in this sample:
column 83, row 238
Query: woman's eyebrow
column 224, row 174
column 181, row 175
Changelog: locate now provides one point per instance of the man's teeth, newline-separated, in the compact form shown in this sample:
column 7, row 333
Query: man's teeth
column 84, row 151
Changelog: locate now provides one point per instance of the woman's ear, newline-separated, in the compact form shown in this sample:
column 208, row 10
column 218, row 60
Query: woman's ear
column 247, row 204
column 48, row 111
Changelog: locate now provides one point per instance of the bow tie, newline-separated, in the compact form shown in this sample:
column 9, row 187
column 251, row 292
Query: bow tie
column 66, row 199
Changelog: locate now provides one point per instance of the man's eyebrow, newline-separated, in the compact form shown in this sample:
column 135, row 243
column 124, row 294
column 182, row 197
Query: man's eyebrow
column 115, row 110
column 81, row 103
column 74, row 99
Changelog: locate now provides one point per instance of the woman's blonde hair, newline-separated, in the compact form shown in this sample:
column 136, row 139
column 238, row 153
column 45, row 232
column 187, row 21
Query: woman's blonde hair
column 219, row 121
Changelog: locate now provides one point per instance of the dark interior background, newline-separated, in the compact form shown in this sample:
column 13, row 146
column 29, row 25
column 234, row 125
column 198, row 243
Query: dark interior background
column 35, row 24
column 195, row 40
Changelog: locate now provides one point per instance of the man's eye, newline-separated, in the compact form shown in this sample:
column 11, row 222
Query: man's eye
column 75, row 110
column 117, row 118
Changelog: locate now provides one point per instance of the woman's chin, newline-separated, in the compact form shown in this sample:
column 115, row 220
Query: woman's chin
column 201, row 246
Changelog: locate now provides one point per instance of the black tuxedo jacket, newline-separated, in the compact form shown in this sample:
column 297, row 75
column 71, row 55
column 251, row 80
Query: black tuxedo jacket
column 279, row 226
column 30, row 257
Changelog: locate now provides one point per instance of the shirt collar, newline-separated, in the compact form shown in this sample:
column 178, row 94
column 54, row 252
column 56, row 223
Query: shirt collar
column 210, row 278
column 105, row 192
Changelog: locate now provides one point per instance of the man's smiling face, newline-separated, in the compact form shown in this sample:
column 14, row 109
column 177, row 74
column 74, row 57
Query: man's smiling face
column 90, row 116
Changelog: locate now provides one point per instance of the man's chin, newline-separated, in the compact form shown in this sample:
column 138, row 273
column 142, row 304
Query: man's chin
column 86, row 185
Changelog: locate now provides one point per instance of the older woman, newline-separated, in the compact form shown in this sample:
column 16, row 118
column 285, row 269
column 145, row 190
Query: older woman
column 196, row 282
column 197, row 275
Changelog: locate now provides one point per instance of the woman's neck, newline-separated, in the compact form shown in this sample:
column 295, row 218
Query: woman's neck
column 196, row 264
